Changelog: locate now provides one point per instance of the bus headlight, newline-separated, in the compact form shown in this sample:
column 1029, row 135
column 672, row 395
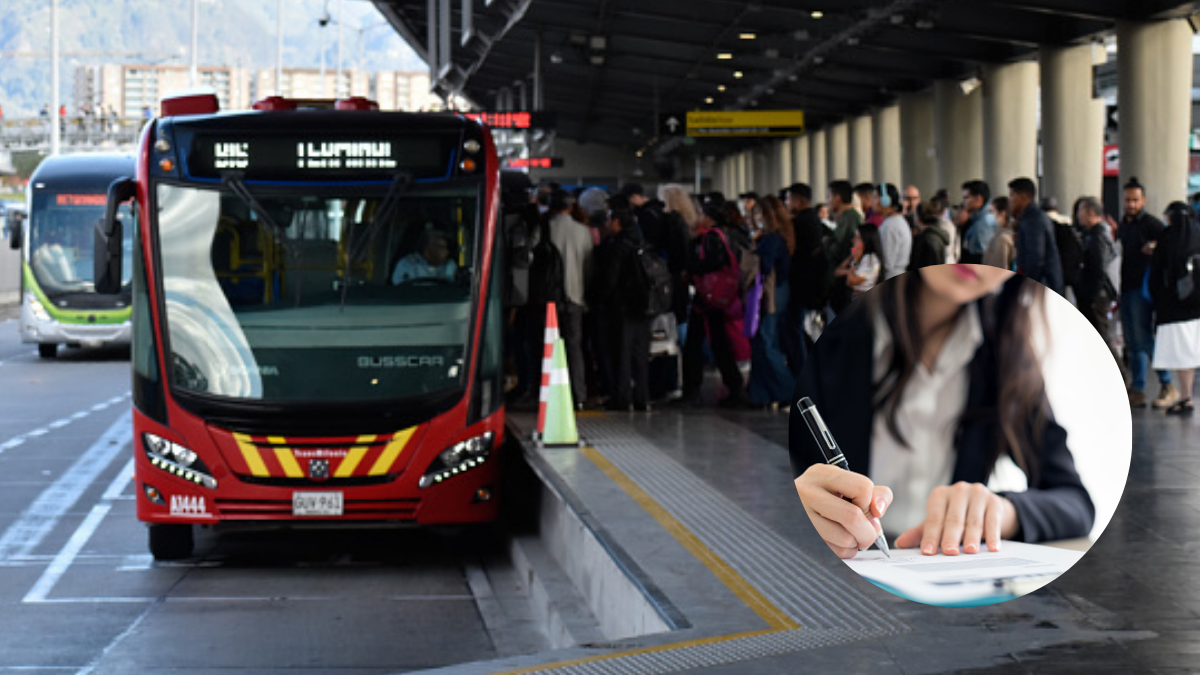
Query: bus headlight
column 36, row 306
column 459, row 458
column 177, row 460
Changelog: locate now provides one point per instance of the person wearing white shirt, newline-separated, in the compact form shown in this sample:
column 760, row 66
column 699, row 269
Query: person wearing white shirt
column 932, row 386
column 431, row 260
column 895, row 233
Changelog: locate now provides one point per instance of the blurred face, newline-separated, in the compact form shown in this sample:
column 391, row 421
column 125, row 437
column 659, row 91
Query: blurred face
column 971, row 202
column 868, row 200
column 795, row 203
column 1000, row 216
column 856, row 249
column 747, row 206
column 757, row 215
column 437, row 252
column 1086, row 217
column 1017, row 202
column 1135, row 201
column 912, row 199
column 823, row 213
column 961, row 284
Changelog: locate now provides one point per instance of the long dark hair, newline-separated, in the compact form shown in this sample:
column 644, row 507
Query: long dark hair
column 1020, row 408
column 871, row 241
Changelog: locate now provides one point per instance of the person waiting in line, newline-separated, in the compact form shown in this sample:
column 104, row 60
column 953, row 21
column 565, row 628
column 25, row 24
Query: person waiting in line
column 862, row 269
column 838, row 242
column 713, row 268
column 1139, row 234
column 896, row 235
column 973, row 217
column 620, row 291
column 1094, row 291
column 1002, row 249
column 681, row 217
column 1174, row 271
column 912, row 199
column 940, row 206
column 930, row 244
column 810, row 274
column 573, row 240
column 869, row 199
column 934, row 392
column 770, row 380
column 746, row 203
column 431, row 260
column 826, row 217
column 1037, row 253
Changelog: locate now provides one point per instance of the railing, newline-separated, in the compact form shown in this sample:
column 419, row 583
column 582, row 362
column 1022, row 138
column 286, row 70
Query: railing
column 77, row 133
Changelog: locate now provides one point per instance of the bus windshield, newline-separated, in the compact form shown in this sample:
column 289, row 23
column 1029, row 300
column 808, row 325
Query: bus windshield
column 61, row 241
column 318, row 294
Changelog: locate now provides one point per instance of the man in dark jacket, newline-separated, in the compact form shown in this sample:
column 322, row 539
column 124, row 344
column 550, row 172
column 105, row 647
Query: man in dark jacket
column 1037, row 254
column 810, row 274
column 1139, row 234
column 624, row 301
column 1094, row 290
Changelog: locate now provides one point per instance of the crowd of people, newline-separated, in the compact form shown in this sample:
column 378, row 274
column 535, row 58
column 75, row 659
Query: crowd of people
column 748, row 283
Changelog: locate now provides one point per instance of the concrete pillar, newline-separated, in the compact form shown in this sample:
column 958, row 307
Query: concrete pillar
column 741, row 175
column 917, row 142
column 838, row 149
column 862, row 169
column 817, row 165
column 787, row 167
column 1010, row 118
column 958, row 129
column 1072, row 124
column 1154, row 84
column 885, row 145
column 802, row 159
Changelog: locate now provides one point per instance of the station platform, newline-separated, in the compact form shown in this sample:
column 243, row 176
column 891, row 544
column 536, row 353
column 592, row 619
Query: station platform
column 684, row 535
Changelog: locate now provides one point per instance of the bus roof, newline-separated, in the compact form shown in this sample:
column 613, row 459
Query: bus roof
column 315, row 119
column 92, row 172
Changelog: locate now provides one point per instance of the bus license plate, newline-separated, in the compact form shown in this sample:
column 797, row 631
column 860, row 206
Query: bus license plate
column 316, row 503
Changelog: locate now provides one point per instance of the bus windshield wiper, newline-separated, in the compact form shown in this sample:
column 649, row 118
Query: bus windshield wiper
column 357, row 245
column 233, row 181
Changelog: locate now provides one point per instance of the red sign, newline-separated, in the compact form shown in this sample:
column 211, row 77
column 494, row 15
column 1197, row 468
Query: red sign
column 533, row 162
column 503, row 120
column 1112, row 160
column 81, row 200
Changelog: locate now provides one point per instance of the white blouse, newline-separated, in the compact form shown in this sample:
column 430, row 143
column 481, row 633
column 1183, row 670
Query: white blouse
column 928, row 414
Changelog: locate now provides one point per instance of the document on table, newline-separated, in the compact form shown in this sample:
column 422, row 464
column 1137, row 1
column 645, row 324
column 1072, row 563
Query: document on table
column 941, row 579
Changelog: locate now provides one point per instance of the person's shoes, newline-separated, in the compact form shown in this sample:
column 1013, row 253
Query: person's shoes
column 1168, row 396
column 1137, row 399
column 735, row 402
column 1183, row 407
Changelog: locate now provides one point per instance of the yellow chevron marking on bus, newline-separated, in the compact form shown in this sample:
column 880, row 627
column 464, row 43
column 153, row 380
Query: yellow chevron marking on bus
column 350, row 463
column 250, row 454
column 391, row 452
column 288, row 461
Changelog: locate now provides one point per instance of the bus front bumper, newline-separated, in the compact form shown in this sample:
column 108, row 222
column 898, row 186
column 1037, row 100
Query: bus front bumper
column 45, row 330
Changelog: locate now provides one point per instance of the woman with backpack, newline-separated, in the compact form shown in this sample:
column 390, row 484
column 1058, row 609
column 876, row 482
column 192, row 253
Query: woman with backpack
column 771, row 381
column 714, row 271
column 1174, row 283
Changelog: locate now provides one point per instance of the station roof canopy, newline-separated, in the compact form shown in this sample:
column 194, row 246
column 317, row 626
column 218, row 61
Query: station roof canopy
column 608, row 65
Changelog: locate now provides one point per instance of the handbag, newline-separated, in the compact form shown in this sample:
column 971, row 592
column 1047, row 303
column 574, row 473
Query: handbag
column 721, row 289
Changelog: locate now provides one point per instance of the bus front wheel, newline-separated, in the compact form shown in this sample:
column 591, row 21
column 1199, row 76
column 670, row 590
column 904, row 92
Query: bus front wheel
column 47, row 350
column 170, row 542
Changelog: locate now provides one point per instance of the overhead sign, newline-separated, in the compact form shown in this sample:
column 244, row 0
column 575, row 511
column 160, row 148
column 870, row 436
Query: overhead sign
column 533, row 163
column 513, row 120
column 725, row 123
column 1112, row 160
column 672, row 124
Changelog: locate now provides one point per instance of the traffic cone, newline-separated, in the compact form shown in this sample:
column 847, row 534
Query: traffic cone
column 556, row 410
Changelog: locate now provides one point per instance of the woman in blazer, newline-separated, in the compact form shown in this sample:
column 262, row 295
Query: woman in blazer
column 931, row 422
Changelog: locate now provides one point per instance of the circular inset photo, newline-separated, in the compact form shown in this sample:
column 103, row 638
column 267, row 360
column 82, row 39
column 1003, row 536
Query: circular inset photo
column 961, row 435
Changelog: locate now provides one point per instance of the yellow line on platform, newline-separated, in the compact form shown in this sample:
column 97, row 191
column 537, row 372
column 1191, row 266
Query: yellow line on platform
column 775, row 617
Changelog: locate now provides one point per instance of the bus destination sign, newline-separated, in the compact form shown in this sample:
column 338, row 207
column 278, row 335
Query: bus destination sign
column 279, row 158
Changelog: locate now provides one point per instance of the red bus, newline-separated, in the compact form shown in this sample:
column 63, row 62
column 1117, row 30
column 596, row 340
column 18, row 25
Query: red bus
column 316, row 317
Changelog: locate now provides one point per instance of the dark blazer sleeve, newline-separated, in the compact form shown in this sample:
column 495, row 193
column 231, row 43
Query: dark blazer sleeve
column 1031, row 248
column 1058, row 507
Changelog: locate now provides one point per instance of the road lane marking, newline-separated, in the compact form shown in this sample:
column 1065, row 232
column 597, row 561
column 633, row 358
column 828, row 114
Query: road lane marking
column 19, row 440
column 42, row 516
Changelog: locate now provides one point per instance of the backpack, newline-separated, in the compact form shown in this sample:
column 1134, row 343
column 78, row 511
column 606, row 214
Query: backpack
column 1070, row 252
column 721, row 289
column 652, row 294
column 546, row 272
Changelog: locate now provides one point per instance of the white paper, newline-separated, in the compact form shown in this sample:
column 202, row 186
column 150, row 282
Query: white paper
column 1016, row 568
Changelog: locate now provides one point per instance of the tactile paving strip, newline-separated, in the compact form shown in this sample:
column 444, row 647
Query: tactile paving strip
column 828, row 610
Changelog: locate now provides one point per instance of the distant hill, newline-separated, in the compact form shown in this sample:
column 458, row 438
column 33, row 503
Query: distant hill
column 232, row 32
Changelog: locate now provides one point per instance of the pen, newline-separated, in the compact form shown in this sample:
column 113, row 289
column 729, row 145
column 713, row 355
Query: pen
column 831, row 450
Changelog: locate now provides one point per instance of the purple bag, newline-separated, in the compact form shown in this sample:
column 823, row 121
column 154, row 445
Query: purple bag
column 753, row 307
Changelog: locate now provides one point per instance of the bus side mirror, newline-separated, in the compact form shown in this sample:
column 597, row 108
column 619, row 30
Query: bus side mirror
column 109, row 238
column 15, row 219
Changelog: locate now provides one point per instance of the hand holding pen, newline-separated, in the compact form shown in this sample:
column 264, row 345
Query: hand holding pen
column 844, row 506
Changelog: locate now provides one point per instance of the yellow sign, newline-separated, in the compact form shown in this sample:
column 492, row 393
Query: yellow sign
column 746, row 123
